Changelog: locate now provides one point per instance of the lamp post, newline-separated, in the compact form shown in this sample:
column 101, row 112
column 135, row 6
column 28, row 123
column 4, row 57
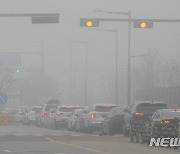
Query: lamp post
column 129, row 50
column 116, row 72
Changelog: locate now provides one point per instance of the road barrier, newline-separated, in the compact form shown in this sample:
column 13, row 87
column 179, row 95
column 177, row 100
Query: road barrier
column 6, row 120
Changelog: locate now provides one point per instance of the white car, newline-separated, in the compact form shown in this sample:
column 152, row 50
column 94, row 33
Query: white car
column 31, row 116
column 60, row 118
column 74, row 117
column 97, row 113
column 21, row 113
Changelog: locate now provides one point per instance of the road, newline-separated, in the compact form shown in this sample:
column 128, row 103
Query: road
column 32, row 140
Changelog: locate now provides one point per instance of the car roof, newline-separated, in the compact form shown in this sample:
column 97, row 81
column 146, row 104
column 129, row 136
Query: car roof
column 168, row 110
column 78, row 110
column 147, row 102
column 104, row 104
column 35, row 106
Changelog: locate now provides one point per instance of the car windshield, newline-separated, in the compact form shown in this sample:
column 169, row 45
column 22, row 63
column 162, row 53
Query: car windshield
column 120, row 111
column 66, row 109
column 48, row 107
column 150, row 108
column 23, row 109
column 78, row 111
column 36, row 109
column 170, row 114
column 103, row 108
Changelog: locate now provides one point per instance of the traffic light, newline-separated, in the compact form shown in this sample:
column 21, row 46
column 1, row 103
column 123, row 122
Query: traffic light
column 143, row 24
column 85, row 22
column 17, row 70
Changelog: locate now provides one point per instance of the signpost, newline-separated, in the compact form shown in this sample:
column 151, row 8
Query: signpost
column 3, row 98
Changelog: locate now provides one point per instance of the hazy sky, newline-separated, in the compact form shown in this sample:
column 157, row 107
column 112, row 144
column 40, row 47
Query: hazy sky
column 15, row 32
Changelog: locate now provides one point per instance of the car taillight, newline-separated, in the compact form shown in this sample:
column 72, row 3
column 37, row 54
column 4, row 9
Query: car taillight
column 43, row 113
column 92, row 116
column 139, row 114
column 165, row 122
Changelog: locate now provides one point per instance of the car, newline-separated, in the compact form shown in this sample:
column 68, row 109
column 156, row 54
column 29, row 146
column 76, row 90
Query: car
column 137, row 116
column 42, row 117
column 51, row 113
column 163, row 123
column 60, row 118
column 114, row 122
column 97, row 113
column 74, row 120
column 80, row 122
column 21, row 113
column 31, row 116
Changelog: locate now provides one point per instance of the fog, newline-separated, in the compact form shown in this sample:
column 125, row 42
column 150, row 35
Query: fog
column 64, row 57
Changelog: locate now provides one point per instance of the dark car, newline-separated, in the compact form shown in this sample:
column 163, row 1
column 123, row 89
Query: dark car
column 164, row 123
column 114, row 122
column 137, row 116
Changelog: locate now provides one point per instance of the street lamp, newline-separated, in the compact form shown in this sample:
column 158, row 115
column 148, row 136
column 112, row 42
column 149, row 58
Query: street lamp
column 129, row 50
column 116, row 76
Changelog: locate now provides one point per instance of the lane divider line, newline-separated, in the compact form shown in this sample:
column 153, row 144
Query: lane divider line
column 7, row 151
column 77, row 146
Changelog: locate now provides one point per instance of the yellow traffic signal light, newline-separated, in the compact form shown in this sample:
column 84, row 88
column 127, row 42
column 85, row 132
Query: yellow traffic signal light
column 89, row 23
column 85, row 22
column 143, row 24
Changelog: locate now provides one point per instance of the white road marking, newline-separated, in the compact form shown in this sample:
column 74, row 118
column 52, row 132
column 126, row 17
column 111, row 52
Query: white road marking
column 7, row 151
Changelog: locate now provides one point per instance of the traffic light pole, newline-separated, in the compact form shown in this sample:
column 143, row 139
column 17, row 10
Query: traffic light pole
column 129, row 20
column 129, row 62
column 86, row 75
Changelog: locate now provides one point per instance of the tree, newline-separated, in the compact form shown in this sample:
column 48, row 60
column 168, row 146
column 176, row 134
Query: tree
column 171, row 74
column 149, row 74
column 6, row 78
column 35, row 89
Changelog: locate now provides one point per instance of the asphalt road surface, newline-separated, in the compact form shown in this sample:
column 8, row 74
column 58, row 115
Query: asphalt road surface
column 32, row 140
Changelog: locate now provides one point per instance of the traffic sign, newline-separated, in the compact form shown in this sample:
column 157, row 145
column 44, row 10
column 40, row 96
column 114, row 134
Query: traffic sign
column 3, row 98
